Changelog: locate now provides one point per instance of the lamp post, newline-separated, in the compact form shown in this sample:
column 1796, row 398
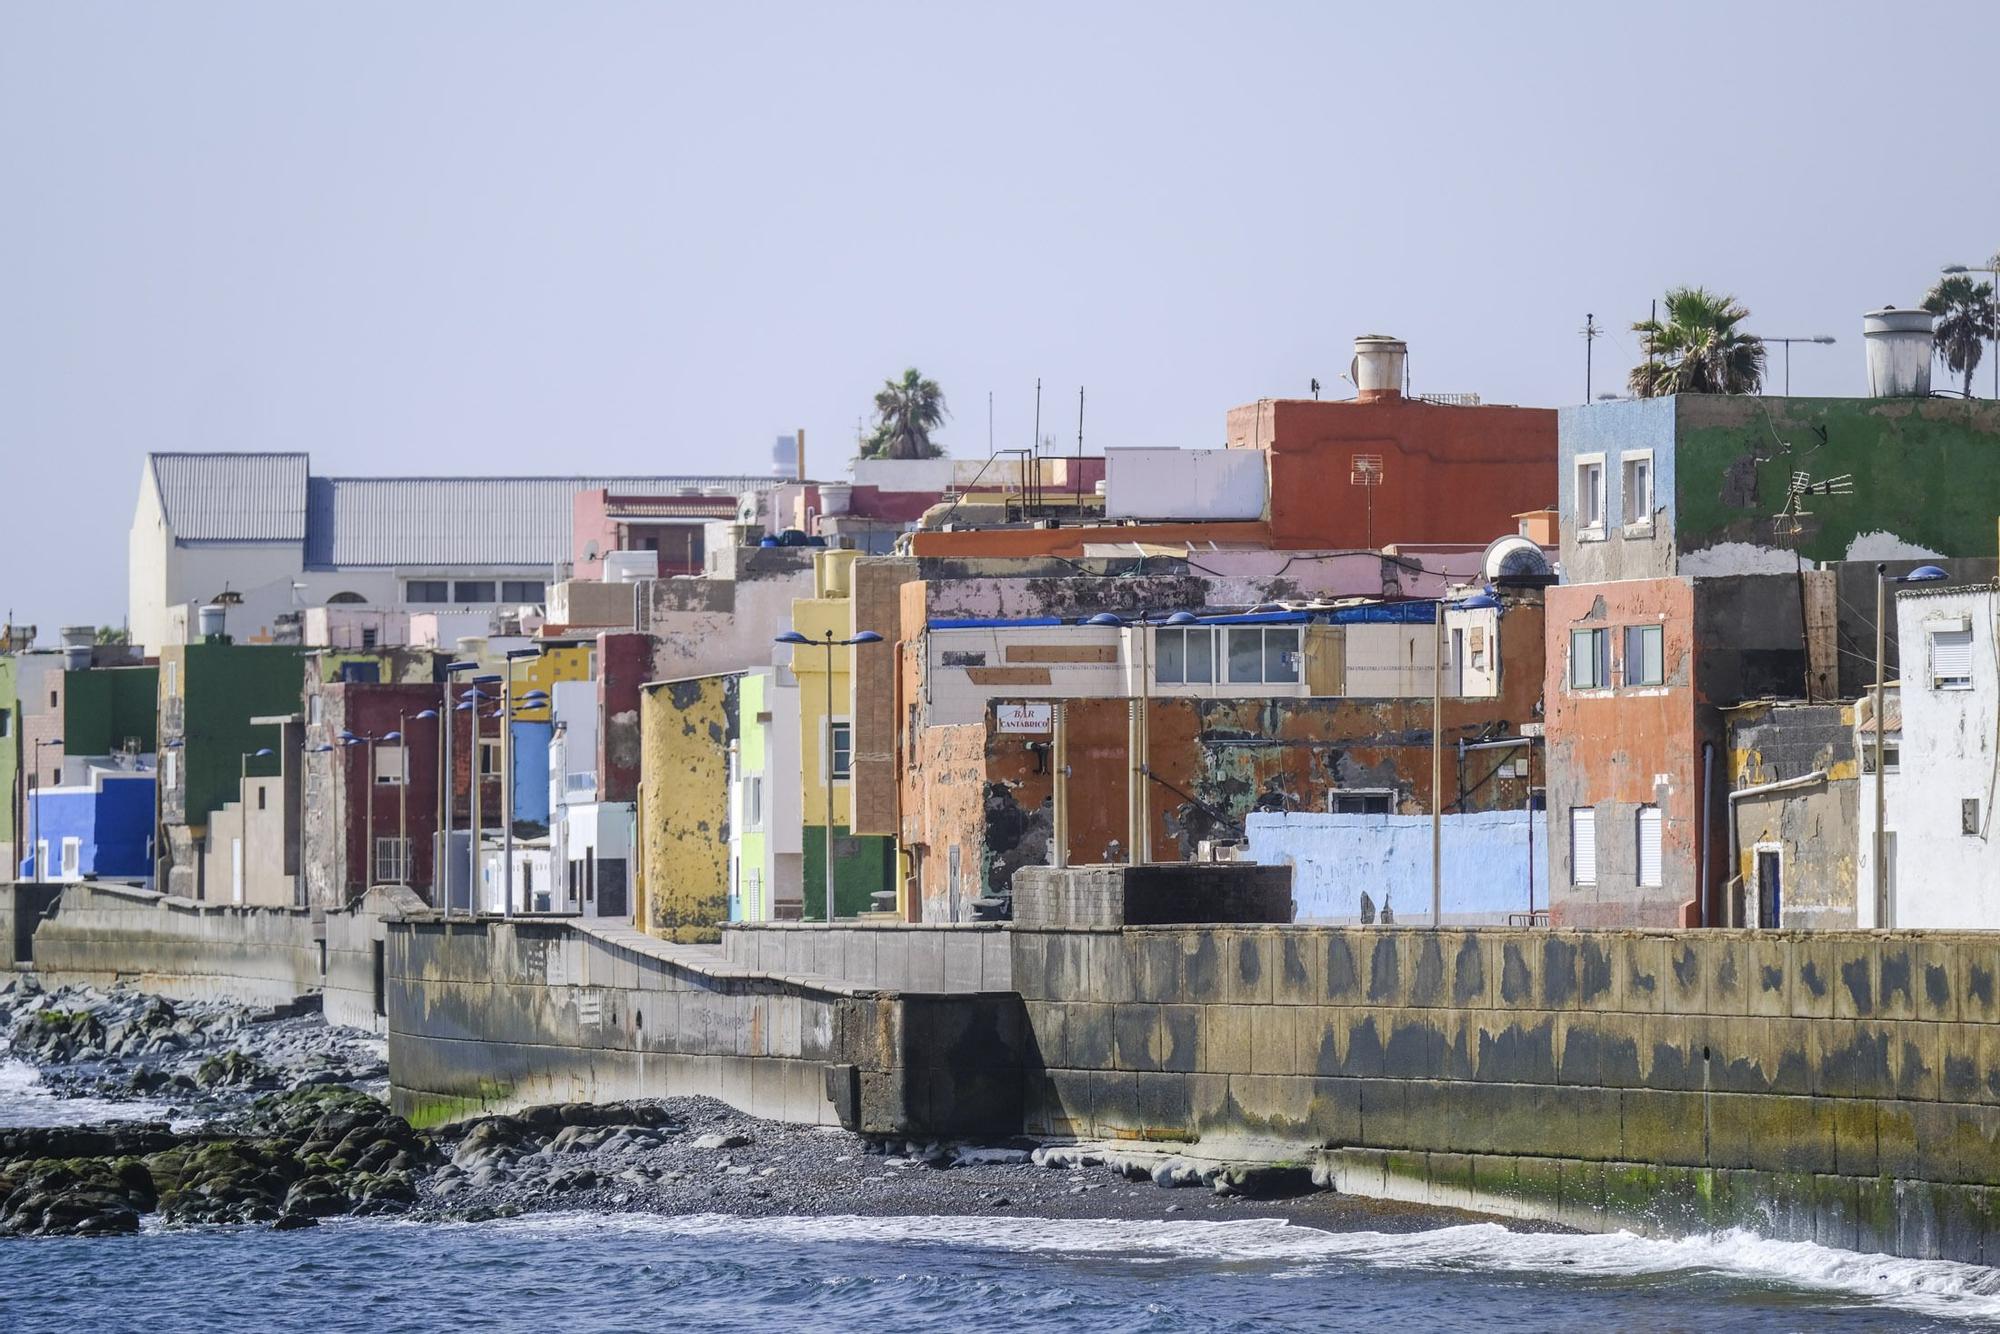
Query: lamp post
column 39, row 858
column 476, row 782
column 448, row 772
column 1821, row 339
column 1481, row 601
column 403, row 797
column 1992, row 270
column 829, row 643
column 243, row 789
column 1923, row 574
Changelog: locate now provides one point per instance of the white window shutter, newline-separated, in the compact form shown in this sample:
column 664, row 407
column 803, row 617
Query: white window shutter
column 1951, row 655
column 1583, row 845
column 1649, row 845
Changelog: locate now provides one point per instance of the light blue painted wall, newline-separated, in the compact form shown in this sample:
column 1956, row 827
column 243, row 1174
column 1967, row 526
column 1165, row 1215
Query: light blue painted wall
column 1488, row 862
column 531, row 771
column 1611, row 429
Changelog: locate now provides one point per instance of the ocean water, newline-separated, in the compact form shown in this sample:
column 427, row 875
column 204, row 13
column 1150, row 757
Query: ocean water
column 578, row 1272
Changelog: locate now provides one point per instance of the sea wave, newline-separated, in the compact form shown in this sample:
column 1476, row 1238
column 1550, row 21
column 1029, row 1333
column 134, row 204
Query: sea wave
column 26, row 1101
column 1942, row 1288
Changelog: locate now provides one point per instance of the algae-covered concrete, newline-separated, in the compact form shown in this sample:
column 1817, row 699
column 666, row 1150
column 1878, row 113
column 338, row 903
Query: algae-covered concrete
column 1836, row 1087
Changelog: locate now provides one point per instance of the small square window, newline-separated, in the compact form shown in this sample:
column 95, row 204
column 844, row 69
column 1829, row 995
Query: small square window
column 1643, row 665
column 1246, row 655
column 426, row 591
column 843, row 751
column 522, row 590
column 1590, row 494
column 1951, row 658
column 1589, row 659
column 1636, row 490
column 467, row 592
column 1170, row 656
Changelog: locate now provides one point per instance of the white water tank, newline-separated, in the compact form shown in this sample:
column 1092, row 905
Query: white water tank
column 1377, row 370
column 835, row 497
column 211, row 620
column 1899, row 352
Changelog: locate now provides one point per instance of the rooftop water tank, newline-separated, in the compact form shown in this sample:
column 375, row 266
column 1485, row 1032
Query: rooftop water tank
column 835, row 497
column 1899, row 352
column 1377, row 370
column 211, row 620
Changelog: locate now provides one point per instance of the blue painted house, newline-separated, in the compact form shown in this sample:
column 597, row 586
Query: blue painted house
column 102, row 828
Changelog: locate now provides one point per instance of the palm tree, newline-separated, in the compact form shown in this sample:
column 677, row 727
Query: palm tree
column 906, row 412
column 1698, row 348
column 1965, row 321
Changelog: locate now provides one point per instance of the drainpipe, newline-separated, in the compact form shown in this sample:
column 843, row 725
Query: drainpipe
column 1059, row 767
column 1707, row 827
column 1762, row 789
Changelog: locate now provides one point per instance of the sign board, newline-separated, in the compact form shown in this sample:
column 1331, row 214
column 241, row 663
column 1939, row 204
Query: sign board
column 1028, row 719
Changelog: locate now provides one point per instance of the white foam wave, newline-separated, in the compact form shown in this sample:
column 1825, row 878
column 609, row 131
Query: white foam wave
column 1937, row 1287
column 26, row 1101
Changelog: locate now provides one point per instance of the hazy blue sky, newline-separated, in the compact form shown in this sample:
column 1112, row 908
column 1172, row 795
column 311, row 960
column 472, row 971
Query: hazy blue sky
column 482, row 236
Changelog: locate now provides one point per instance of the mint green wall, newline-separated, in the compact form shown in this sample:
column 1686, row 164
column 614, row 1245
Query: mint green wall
column 1925, row 470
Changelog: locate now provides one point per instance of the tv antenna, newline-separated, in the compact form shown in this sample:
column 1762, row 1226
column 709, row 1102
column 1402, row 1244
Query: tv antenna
column 1365, row 471
column 1591, row 333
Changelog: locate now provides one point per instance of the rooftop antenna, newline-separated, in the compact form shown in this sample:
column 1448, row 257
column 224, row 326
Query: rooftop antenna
column 1365, row 471
column 989, row 423
column 1315, row 386
column 1034, row 450
column 1079, row 449
column 1591, row 333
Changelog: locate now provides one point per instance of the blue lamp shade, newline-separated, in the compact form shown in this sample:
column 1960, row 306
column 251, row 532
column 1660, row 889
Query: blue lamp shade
column 490, row 679
column 318, row 750
column 426, row 713
column 348, row 736
column 175, row 744
column 52, row 741
column 468, row 706
column 1925, row 574
column 866, row 637
column 1183, row 618
column 461, row 666
column 1478, row 602
column 262, row 751
column 392, row 736
column 1105, row 618
column 792, row 637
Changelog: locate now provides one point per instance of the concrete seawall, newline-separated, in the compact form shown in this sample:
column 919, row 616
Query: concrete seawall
column 1841, row 1088
column 493, row 1015
column 103, row 934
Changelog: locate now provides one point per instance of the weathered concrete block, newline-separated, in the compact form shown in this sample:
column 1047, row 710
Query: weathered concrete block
column 1226, row 1040
column 1136, row 1043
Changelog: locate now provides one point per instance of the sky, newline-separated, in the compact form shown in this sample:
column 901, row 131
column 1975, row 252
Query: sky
column 477, row 237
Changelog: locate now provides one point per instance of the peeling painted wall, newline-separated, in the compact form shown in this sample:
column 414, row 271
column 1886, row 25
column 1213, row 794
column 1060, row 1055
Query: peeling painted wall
column 686, row 729
column 1811, row 829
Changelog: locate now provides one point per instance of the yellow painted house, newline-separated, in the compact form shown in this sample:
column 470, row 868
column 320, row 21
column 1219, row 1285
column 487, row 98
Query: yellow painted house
column 863, row 865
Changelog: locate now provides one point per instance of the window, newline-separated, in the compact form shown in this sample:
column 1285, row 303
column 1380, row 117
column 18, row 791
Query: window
column 1892, row 752
column 1359, row 802
column 469, row 591
column 489, row 757
column 1262, row 655
column 260, row 796
column 426, row 590
column 170, row 769
column 1968, row 823
column 1951, row 657
column 173, row 680
column 522, row 590
column 753, row 803
column 1643, row 665
column 6, row 722
column 1589, row 659
column 72, row 858
column 389, row 764
column 1649, row 846
column 391, row 855
column 315, row 710
column 1582, row 845
column 1590, row 493
column 843, row 750
column 1636, row 490
column 1184, row 656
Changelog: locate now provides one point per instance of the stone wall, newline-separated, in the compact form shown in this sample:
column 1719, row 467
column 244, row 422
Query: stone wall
column 354, row 935
column 938, row 958
column 1152, row 894
column 492, row 1015
column 24, row 905
column 1835, row 1087
column 104, row 934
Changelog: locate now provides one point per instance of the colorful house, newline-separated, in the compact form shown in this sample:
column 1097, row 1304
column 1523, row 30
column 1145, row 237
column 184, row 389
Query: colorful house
column 687, row 729
column 864, row 865
column 99, row 829
column 766, row 851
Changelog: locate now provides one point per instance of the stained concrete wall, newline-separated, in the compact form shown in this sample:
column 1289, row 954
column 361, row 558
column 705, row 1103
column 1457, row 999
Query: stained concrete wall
column 938, row 958
column 106, row 934
column 1836, row 1087
column 352, row 937
column 493, row 1015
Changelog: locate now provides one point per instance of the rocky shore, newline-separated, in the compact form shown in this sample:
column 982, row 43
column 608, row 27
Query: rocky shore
column 277, row 1119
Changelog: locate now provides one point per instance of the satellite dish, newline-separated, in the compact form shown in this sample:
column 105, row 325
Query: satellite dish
column 1514, row 557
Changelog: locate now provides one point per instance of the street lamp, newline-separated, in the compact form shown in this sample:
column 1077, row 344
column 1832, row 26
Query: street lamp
column 39, row 857
column 476, row 782
column 1923, row 574
column 1481, row 601
column 829, row 643
column 403, row 798
column 1992, row 270
column 449, row 781
column 1823, row 340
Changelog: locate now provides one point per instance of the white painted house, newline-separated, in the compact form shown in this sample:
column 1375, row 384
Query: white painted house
column 267, row 538
column 1942, row 774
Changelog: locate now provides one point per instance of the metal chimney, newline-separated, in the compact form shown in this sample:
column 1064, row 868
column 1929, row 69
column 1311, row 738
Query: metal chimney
column 1899, row 352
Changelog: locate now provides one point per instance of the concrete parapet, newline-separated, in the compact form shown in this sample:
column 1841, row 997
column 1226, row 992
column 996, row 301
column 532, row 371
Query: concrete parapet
column 944, row 958
column 489, row 1015
column 1746, row 1058
column 1152, row 894
column 24, row 906
column 356, row 956
column 104, row 934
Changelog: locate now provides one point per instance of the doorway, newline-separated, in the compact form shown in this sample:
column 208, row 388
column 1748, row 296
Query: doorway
column 1770, row 887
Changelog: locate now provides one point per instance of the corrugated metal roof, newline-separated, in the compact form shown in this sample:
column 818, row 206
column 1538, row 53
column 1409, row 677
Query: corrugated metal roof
column 462, row 520
column 233, row 497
